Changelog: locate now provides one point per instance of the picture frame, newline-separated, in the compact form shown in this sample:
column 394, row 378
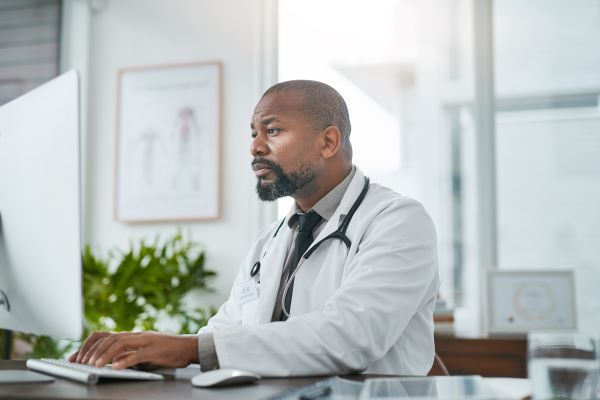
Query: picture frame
column 520, row 301
column 167, row 145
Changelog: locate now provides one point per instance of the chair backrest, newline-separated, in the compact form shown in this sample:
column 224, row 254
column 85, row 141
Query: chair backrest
column 438, row 368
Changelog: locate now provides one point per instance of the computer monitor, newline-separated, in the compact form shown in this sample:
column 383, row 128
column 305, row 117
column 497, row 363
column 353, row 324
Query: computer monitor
column 40, row 240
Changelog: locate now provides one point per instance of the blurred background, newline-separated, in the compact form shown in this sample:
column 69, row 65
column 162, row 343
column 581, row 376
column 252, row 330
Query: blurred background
column 485, row 111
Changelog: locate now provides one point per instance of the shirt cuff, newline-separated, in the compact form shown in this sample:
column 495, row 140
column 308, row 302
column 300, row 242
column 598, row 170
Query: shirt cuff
column 207, row 354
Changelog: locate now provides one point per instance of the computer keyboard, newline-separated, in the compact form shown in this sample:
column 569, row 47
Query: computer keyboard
column 86, row 373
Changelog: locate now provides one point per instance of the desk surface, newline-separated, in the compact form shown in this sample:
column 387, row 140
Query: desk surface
column 169, row 389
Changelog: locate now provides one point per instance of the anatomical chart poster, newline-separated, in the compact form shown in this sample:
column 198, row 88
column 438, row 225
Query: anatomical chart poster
column 167, row 144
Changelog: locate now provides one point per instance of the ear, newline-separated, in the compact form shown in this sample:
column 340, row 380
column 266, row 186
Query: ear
column 331, row 141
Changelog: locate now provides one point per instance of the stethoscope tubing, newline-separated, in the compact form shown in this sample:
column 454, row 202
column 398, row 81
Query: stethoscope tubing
column 339, row 233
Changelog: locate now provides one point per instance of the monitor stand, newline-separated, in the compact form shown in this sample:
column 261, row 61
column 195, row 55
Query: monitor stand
column 6, row 343
column 18, row 375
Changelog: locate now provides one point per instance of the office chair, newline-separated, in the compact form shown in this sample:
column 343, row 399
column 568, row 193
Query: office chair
column 438, row 368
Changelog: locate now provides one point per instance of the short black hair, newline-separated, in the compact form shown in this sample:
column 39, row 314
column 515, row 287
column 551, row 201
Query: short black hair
column 322, row 105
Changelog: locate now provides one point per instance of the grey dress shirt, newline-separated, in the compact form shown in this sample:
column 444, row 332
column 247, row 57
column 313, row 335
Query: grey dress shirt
column 325, row 207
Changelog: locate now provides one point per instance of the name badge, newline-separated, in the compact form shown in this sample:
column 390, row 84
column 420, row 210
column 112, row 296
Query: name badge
column 246, row 292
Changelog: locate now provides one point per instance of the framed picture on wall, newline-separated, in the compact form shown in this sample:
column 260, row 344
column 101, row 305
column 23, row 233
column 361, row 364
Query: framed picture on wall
column 523, row 301
column 168, row 143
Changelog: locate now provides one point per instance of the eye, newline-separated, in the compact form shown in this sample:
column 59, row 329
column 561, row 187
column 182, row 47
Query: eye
column 253, row 134
column 273, row 131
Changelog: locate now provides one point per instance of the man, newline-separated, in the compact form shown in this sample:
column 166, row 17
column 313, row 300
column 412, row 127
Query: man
column 359, row 297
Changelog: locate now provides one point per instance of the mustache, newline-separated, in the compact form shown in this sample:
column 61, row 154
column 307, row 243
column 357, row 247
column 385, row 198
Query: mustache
column 268, row 163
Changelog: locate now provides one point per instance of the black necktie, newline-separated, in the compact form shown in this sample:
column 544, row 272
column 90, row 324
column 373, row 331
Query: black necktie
column 304, row 238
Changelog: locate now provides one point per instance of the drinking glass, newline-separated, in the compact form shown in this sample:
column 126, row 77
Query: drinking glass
column 563, row 366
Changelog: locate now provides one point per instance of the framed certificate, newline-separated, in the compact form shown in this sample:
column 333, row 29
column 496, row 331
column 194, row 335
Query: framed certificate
column 521, row 301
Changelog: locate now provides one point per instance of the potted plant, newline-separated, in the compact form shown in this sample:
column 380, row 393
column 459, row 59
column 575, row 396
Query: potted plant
column 141, row 288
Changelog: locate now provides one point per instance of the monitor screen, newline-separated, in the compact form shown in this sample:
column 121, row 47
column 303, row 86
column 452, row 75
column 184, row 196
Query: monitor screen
column 40, row 242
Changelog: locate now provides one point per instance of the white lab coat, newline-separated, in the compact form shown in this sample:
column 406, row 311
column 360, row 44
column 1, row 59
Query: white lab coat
column 369, row 309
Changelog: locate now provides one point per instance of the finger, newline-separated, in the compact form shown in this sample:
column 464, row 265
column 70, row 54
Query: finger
column 85, row 359
column 100, row 347
column 84, row 347
column 89, row 342
column 119, row 345
column 96, row 350
column 130, row 359
column 73, row 357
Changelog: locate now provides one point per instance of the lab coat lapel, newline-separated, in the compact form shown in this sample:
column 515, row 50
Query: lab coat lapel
column 270, row 274
column 272, row 262
column 352, row 193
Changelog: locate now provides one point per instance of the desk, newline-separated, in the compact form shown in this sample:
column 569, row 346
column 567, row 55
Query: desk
column 497, row 357
column 183, row 389
column 169, row 389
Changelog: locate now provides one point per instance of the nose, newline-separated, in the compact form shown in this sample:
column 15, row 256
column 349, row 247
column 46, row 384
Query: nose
column 258, row 147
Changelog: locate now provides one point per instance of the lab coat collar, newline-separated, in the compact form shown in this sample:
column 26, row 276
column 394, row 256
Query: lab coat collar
column 327, row 205
column 352, row 193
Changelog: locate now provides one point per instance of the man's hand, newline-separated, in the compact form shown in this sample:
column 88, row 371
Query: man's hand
column 127, row 349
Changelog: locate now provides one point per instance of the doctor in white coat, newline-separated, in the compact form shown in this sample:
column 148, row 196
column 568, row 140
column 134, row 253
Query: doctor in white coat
column 360, row 298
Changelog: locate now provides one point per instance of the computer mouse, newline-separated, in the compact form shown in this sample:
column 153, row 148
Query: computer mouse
column 223, row 377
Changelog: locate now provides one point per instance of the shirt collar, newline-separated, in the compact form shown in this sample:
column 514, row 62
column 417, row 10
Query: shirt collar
column 327, row 205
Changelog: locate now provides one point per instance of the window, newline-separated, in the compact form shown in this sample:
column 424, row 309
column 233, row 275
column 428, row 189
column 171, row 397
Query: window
column 389, row 60
column 29, row 45
column 547, row 62
column 410, row 71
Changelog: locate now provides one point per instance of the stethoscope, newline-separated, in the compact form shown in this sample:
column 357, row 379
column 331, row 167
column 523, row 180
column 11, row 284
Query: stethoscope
column 339, row 233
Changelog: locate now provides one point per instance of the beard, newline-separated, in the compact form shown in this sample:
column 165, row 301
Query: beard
column 283, row 184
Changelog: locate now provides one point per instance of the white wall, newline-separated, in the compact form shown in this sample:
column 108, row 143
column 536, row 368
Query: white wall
column 129, row 33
